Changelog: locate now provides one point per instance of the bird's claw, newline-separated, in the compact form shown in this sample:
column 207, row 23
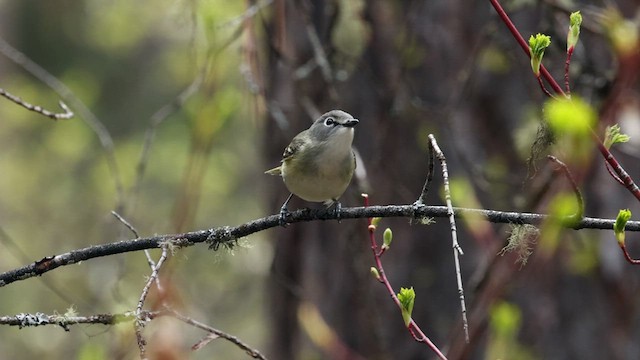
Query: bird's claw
column 282, row 219
column 337, row 210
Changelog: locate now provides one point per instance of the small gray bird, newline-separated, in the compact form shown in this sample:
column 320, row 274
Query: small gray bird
column 318, row 164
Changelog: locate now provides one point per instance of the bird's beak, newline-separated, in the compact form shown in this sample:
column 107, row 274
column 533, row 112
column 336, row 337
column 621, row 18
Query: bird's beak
column 350, row 123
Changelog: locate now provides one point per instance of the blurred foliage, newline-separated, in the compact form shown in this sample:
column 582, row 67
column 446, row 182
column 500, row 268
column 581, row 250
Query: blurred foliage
column 571, row 121
column 427, row 67
column 562, row 209
column 505, row 322
column 125, row 60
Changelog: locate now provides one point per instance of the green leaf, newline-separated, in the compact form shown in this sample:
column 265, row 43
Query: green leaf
column 537, row 46
column 407, row 298
column 621, row 221
column 575, row 20
column 613, row 136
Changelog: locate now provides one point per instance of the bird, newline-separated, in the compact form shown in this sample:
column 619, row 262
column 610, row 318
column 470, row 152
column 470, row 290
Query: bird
column 318, row 164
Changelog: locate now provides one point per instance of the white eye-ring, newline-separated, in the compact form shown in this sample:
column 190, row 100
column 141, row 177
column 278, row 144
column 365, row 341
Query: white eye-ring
column 329, row 121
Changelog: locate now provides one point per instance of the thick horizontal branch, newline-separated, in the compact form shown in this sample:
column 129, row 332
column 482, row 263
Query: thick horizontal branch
column 227, row 236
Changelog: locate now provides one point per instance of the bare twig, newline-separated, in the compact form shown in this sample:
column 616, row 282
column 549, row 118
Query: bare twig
column 457, row 250
column 150, row 261
column 141, row 319
column 83, row 111
column 67, row 114
column 427, row 183
column 152, row 277
column 125, row 223
column 239, row 343
column 249, row 13
column 156, row 119
column 320, row 57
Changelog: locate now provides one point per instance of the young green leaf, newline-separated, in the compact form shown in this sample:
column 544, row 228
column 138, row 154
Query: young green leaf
column 621, row 221
column 575, row 20
column 407, row 298
column 537, row 46
column 613, row 136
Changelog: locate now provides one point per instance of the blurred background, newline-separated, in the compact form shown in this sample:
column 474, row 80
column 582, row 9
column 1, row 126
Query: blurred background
column 181, row 106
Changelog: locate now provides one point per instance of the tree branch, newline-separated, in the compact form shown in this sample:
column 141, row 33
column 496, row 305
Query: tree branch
column 64, row 321
column 227, row 236
column 67, row 114
column 41, row 319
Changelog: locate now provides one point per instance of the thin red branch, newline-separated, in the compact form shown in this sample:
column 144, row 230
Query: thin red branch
column 622, row 175
column 524, row 45
column 572, row 181
column 415, row 331
column 567, row 63
column 544, row 89
column 628, row 257
column 613, row 175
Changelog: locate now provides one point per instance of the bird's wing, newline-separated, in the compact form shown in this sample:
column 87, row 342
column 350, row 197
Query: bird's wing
column 296, row 145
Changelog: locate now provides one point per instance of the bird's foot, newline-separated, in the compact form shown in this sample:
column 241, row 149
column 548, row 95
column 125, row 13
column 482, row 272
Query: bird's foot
column 337, row 210
column 284, row 212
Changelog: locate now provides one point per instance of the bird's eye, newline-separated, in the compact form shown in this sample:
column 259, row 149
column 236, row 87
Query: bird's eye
column 329, row 121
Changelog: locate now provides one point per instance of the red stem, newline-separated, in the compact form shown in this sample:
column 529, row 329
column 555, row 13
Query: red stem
column 413, row 328
column 626, row 180
column 613, row 163
column 566, row 70
column 524, row 45
column 544, row 89
column 628, row 257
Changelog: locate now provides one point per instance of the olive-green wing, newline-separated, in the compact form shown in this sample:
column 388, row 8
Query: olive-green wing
column 295, row 146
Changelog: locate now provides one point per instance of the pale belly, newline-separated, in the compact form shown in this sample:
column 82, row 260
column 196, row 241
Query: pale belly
column 316, row 189
column 321, row 185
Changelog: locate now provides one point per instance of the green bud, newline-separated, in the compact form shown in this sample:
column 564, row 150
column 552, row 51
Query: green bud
column 537, row 46
column 387, row 238
column 621, row 221
column 407, row 298
column 613, row 136
column 375, row 273
column 575, row 20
